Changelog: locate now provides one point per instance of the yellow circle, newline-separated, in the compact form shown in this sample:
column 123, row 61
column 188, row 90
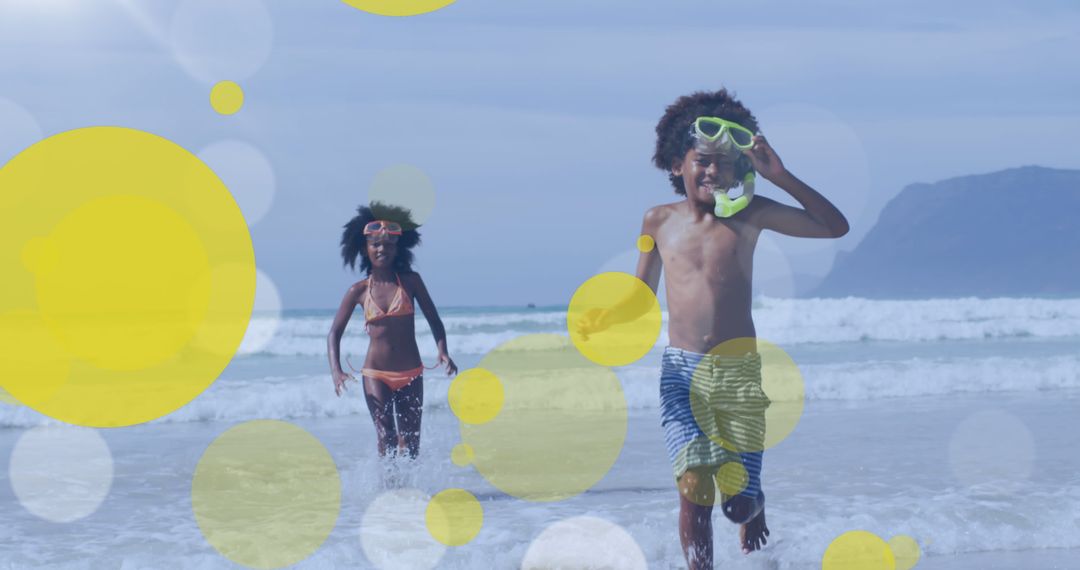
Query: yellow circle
column 266, row 494
column 747, row 394
column 476, row 396
column 563, row 422
column 454, row 517
column 732, row 478
column 462, row 454
column 645, row 243
column 858, row 550
column 906, row 550
column 712, row 484
column 33, row 366
column 405, row 186
column 8, row 398
column 614, row 319
column 108, row 237
column 399, row 7
column 226, row 97
column 126, row 339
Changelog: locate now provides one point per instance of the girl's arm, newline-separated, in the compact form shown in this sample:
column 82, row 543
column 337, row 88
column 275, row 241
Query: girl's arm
column 337, row 329
column 422, row 296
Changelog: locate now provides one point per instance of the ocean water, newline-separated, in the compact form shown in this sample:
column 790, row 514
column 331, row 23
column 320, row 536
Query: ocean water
column 949, row 421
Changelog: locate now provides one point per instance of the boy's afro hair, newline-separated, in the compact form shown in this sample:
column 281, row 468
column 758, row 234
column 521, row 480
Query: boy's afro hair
column 673, row 138
column 354, row 242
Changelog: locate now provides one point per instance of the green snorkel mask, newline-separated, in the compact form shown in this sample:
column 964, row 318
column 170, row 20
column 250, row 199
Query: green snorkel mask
column 713, row 135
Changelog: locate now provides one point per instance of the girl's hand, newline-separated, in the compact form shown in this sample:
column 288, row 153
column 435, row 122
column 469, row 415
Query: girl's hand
column 764, row 158
column 340, row 378
column 445, row 360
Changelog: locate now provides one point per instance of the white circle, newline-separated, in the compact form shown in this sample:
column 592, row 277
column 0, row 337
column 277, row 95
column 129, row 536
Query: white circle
column 584, row 542
column 265, row 315
column 19, row 131
column 215, row 40
column 772, row 273
column 394, row 532
column 61, row 474
column 626, row 262
column 822, row 150
column 247, row 174
column 406, row 186
column 992, row 448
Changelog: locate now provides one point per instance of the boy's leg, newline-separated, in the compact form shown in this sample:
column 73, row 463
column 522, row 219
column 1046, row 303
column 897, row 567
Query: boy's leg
column 696, row 497
column 740, row 404
column 742, row 499
column 693, row 456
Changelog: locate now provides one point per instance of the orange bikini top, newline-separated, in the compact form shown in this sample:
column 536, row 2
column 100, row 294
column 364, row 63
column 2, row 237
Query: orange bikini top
column 401, row 304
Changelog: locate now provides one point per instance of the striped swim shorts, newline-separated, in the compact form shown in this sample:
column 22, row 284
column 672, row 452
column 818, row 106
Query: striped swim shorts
column 712, row 409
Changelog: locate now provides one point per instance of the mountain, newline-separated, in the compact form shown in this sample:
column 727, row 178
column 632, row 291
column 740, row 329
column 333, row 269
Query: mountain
column 1008, row 233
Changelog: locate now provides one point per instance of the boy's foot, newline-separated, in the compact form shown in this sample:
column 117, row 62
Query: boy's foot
column 753, row 534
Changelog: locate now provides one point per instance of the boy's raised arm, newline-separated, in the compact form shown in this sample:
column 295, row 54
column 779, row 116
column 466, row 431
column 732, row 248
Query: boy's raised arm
column 796, row 222
column 819, row 217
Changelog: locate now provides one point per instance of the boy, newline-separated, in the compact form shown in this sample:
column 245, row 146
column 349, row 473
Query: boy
column 706, row 143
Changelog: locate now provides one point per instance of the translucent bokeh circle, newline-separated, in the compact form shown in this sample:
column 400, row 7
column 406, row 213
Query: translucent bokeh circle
column 626, row 261
column 265, row 317
column 747, row 395
column 562, row 424
column 215, row 40
column 106, row 262
column 266, row 494
column 462, row 454
column 226, row 97
column 858, row 550
column 394, row 532
column 406, row 186
column 906, row 551
column 399, row 7
column 622, row 300
column 62, row 473
column 476, row 396
column 454, row 517
column 584, row 542
column 247, row 173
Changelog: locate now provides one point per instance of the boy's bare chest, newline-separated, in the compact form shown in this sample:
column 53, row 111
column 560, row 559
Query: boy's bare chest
column 714, row 247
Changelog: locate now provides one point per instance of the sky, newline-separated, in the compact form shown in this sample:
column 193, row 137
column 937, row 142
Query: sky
column 533, row 120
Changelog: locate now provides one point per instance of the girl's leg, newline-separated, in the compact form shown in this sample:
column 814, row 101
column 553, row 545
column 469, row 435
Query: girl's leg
column 380, row 402
column 409, row 403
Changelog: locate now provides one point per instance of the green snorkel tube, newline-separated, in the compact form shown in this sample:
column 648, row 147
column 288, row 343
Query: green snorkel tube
column 713, row 135
column 727, row 207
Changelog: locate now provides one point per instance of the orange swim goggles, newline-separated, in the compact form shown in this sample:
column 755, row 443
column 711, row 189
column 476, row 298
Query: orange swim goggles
column 391, row 230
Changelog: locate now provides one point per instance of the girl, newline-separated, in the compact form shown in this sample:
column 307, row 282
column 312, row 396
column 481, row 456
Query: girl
column 383, row 237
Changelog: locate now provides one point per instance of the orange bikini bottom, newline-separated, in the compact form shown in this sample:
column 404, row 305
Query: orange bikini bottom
column 395, row 380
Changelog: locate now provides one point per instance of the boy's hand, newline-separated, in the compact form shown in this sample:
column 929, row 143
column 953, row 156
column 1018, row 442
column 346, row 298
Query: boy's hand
column 593, row 321
column 764, row 159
